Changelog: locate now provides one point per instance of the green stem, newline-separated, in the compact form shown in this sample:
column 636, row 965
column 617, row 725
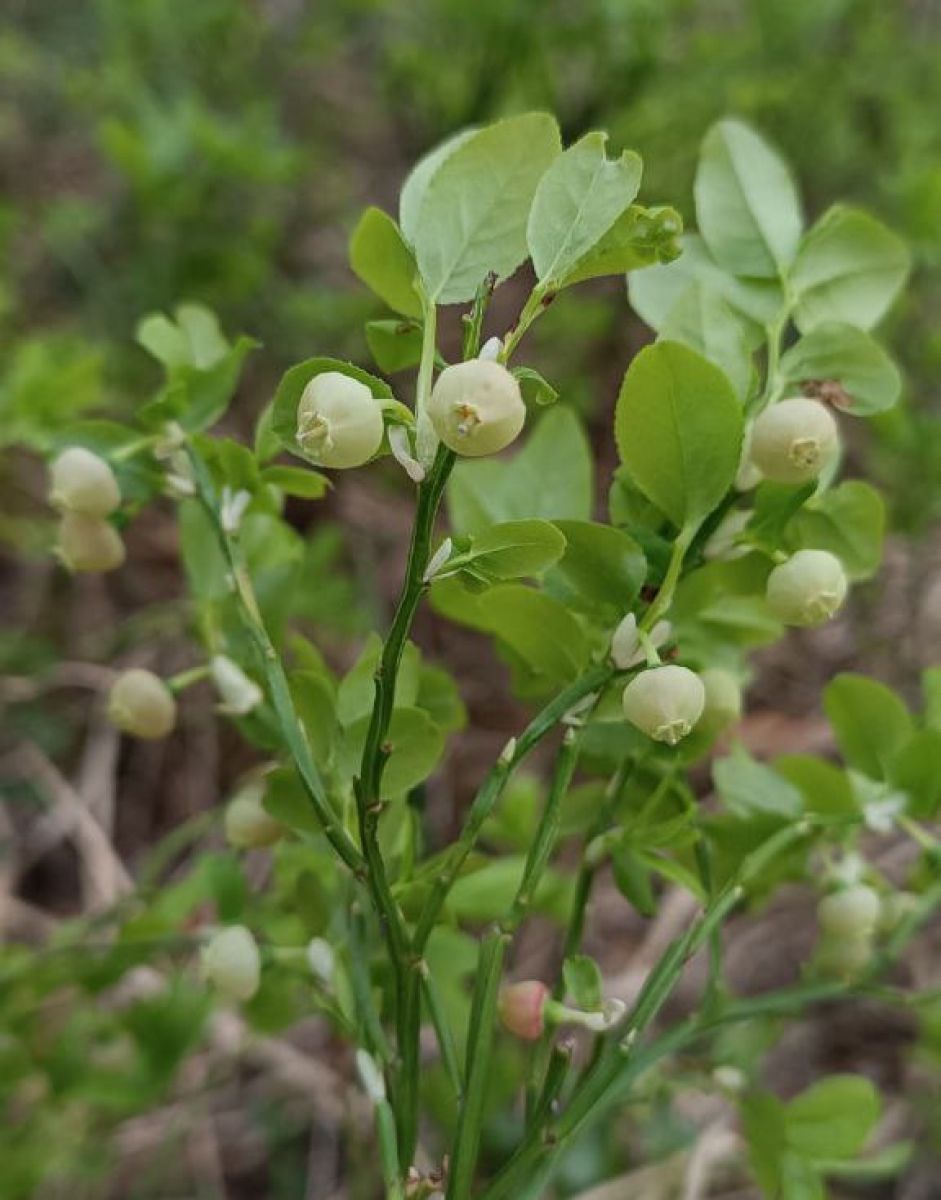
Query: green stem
column 598, row 1088
column 537, row 303
column 368, row 791
column 278, row 689
column 442, row 1026
column 714, row 980
column 575, row 928
column 774, row 332
column 477, row 1067
column 492, row 788
column 543, row 843
column 388, row 1152
column 372, row 1035
column 660, row 605
column 425, row 436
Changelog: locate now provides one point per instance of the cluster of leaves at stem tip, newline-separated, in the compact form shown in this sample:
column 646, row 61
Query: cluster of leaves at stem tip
column 628, row 636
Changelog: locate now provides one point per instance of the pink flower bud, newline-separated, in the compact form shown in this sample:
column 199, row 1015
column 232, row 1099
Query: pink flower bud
column 522, row 1007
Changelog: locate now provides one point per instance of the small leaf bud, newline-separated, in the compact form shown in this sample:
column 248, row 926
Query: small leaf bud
column 140, row 703
column 476, row 407
column 808, row 589
column 665, row 702
column 82, row 482
column 794, row 440
column 339, row 421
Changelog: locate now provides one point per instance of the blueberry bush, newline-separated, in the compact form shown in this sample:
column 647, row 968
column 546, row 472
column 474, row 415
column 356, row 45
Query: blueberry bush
column 626, row 624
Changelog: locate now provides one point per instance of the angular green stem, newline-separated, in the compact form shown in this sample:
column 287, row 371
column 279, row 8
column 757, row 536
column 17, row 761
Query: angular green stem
column 492, row 788
column 278, row 689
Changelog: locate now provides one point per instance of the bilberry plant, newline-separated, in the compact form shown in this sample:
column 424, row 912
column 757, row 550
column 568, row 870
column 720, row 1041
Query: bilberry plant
column 628, row 636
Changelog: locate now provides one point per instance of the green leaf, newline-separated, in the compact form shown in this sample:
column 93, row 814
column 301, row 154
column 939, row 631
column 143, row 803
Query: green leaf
column 584, row 984
column 486, row 894
column 295, row 481
column 472, row 217
column 316, row 707
column 849, row 521
column 539, row 631
column 577, row 201
column 514, row 550
column 550, row 477
column 601, row 563
column 849, row 269
column 825, row 788
column 416, row 185
column 800, row 1179
column 286, row 800
column 654, row 292
column 639, row 238
column 381, row 258
column 931, row 690
column 395, row 345
column 678, row 427
column 291, row 387
column 833, row 1118
column 535, row 389
column 883, row 1164
column 747, row 206
column 763, row 1123
column 747, row 786
column 438, row 695
column 702, row 320
column 850, row 357
column 202, row 367
column 417, row 745
column 869, row 720
column 633, row 879
column 914, row 769
column 194, row 340
column 357, row 689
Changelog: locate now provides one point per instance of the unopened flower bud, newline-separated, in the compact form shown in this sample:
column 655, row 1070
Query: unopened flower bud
column 321, row 960
column 665, row 702
column 895, row 908
column 248, row 825
column 807, row 589
column 722, row 542
column 238, row 693
column 794, row 440
column 730, row 1079
column 89, row 544
column 851, row 912
column 844, row 957
column 82, row 482
column 522, row 1008
column 140, row 703
column 476, row 407
column 339, row 421
column 232, row 963
column 723, row 705
column 626, row 648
